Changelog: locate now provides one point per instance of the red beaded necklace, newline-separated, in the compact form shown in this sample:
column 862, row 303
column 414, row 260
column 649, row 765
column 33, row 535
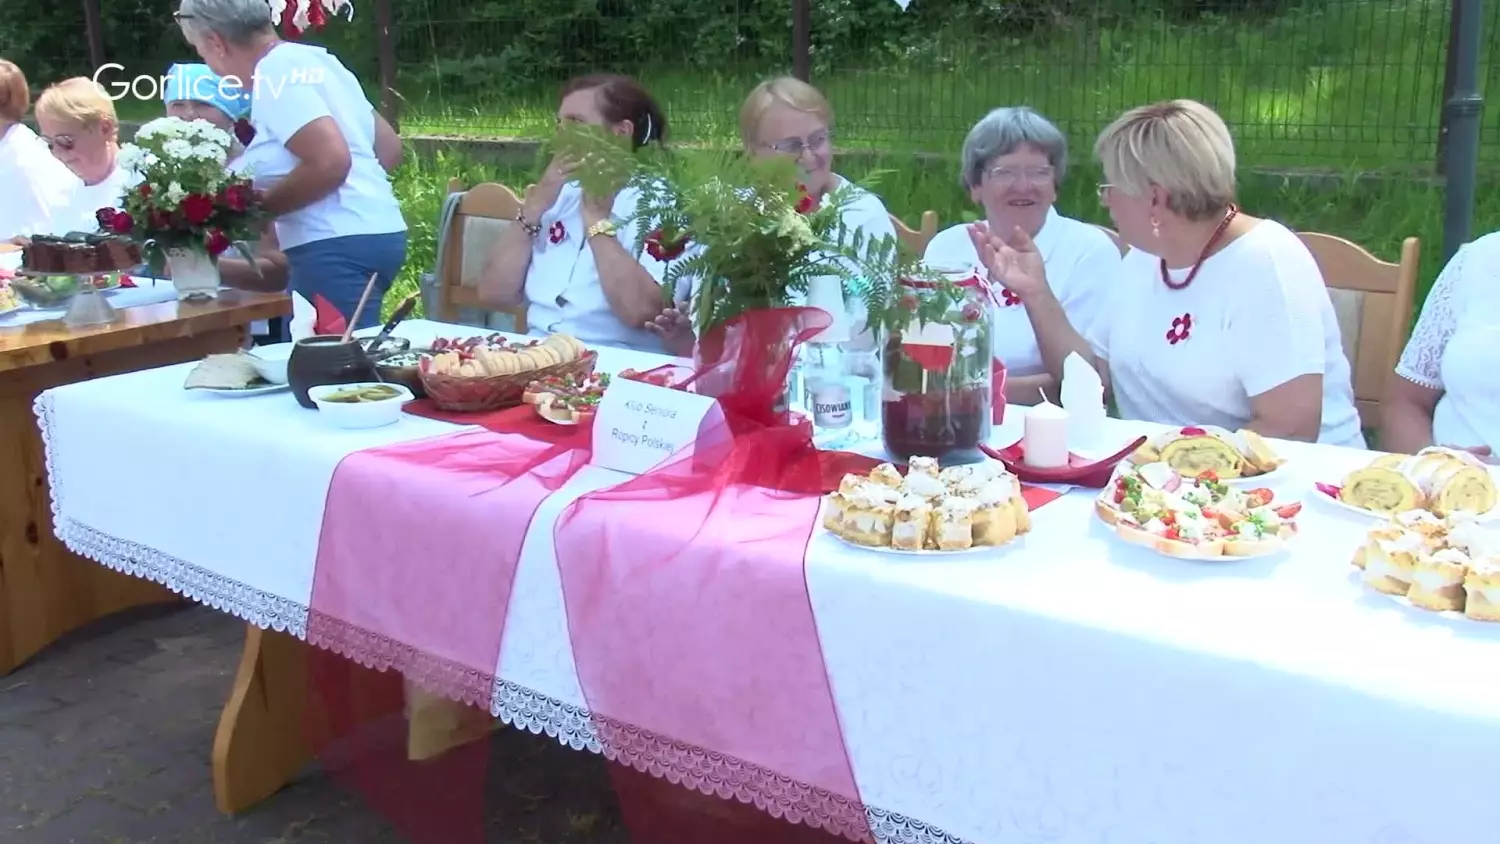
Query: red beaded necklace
column 1166, row 278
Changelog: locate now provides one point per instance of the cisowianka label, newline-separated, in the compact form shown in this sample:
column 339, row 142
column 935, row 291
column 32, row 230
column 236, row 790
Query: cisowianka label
column 832, row 406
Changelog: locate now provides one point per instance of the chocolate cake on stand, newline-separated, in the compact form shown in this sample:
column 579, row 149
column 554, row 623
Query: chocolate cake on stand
column 80, row 257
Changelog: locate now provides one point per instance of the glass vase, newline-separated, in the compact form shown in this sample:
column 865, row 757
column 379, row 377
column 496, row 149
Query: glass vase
column 195, row 273
column 937, row 397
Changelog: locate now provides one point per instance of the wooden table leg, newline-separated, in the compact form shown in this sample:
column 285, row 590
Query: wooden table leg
column 45, row 589
column 260, row 744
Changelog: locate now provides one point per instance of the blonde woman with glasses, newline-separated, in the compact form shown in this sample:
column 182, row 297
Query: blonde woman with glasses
column 1013, row 160
column 1217, row 317
column 788, row 117
column 79, row 125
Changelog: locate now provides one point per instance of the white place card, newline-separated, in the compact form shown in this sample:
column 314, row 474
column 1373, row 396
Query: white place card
column 640, row 425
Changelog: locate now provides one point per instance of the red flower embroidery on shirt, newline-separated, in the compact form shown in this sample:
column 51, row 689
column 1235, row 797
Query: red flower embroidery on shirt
column 557, row 233
column 1182, row 328
column 1010, row 299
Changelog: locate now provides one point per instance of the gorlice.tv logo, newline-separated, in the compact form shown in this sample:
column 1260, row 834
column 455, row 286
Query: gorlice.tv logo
column 110, row 79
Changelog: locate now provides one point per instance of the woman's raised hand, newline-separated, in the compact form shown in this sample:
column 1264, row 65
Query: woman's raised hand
column 1014, row 261
column 544, row 194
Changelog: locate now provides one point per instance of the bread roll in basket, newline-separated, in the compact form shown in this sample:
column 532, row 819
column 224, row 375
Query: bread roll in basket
column 495, row 377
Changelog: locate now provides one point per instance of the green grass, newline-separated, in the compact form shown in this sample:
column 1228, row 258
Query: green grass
column 1342, row 85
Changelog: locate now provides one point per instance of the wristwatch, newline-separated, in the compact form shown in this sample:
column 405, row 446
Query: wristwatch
column 605, row 227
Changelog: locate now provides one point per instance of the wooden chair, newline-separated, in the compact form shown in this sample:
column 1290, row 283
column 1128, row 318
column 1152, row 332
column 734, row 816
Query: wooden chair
column 1120, row 244
column 917, row 240
column 482, row 216
column 1373, row 300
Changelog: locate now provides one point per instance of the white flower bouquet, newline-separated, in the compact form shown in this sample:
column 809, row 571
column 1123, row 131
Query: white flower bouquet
column 186, row 199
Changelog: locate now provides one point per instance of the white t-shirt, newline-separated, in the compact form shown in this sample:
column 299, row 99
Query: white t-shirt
column 1257, row 316
column 563, row 292
column 1455, row 347
column 38, row 187
column 1082, row 263
column 296, row 84
column 864, row 213
column 82, row 213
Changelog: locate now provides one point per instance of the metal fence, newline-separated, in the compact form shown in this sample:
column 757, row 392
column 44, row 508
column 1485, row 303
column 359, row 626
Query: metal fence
column 1347, row 83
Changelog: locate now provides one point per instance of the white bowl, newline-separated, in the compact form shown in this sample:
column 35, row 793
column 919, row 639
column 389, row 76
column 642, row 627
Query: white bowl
column 365, row 414
column 270, row 361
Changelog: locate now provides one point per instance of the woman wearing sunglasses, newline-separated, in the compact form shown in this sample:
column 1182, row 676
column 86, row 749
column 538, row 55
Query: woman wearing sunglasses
column 788, row 117
column 37, row 186
column 320, row 154
column 79, row 125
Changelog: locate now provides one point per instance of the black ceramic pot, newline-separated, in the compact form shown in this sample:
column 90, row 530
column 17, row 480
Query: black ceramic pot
column 326, row 359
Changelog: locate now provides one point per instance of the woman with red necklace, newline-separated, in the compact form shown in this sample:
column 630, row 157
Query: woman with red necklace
column 1217, row 317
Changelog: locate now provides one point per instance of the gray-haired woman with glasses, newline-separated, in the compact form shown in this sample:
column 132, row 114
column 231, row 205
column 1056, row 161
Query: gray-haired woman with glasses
column 1013, row 161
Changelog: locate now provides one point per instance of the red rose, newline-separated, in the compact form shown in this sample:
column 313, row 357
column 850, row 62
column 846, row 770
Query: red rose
column 216, row 242
column 106, row 217
column 144, row 190
column 235, row 197
column 665, row 250
column 197, row 208
column 121, row 223
column 806, row 203
column 160, row 220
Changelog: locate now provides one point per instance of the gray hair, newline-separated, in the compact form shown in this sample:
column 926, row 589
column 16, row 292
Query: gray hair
column 236, row 21
column 1002, row 132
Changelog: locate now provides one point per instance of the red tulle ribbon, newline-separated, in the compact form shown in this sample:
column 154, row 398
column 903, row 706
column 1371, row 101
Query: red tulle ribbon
column 691, row 625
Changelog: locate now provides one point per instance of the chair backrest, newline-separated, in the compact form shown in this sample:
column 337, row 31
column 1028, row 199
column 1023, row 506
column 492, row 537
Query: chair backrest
column 917, row 240
column 1373, row 300
column 1120, row 243
column 482, row 216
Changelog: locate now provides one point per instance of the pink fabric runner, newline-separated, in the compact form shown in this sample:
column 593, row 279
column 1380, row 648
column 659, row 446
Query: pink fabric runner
column 416, row 560
column 694, row 636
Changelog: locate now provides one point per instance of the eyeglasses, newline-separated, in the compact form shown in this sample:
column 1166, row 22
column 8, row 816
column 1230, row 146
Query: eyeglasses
column 795, row 146
column 1104, row 189
column 63, row 142
column 1007, row 176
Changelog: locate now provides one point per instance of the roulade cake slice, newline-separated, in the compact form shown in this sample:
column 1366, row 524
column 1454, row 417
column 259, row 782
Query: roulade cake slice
column 1461, row 484
column 1482, row 585
column 1381, row 489
column 1437, row 580
column 1197, row 451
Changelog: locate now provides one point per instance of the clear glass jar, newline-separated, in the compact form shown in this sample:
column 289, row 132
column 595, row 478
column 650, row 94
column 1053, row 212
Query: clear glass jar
column 937, row 398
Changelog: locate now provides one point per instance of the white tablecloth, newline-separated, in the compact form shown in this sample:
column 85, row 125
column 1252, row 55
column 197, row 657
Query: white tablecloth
column 1069, row 688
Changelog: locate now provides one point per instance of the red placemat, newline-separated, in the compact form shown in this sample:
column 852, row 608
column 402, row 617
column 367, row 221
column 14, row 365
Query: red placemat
column 522, row 419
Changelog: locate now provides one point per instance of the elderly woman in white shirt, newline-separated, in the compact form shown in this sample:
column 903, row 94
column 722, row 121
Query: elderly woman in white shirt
column 788, row 117
column 37, row 186
column 79, row 125
column 1216, row 317
column 1013, row 161
column 568, row 259
column 321, row 154
column 1445, row 390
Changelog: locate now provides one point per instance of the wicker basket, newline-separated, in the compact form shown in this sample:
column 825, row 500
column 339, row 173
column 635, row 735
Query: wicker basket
column 493, row 392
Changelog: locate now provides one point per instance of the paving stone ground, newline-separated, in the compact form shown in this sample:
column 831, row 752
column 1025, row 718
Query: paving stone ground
column 105, row 739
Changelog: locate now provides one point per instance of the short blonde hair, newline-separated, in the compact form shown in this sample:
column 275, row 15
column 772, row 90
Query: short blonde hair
column 15, row 97
column 80, row 101
column 1180, row 145
column 783, row 90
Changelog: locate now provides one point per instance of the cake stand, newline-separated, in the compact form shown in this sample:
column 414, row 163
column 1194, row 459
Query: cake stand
column 87, row 306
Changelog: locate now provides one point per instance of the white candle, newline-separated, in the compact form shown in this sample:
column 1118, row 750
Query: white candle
column 1046, row 439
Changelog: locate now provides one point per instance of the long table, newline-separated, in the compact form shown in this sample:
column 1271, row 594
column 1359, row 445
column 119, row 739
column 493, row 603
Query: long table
column 1067, row 688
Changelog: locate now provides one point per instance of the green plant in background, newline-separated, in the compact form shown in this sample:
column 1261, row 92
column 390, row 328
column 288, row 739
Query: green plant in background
column 758, row 240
